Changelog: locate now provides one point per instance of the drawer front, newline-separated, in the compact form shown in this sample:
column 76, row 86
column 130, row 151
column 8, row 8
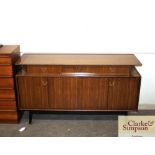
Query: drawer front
column 43, row 69
column 5, row 60
column 7, row 94
column 6, row 71
column 105, row 70
column 7, row 105
column 6, row 83
column 10, row 116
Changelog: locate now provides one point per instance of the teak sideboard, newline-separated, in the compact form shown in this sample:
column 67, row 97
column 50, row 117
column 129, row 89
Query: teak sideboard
column 77, row 82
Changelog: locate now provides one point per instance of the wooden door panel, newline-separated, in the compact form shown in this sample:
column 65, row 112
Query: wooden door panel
column 134, row 93
column 74, row 93
column 78, row 93
column 123, row 93
column 62, row 93
column 92, row 93
column 33, row 92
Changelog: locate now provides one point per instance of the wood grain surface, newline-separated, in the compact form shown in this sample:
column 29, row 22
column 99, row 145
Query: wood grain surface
column 79, row 59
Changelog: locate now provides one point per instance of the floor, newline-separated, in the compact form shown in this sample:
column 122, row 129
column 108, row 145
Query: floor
column 67, row 125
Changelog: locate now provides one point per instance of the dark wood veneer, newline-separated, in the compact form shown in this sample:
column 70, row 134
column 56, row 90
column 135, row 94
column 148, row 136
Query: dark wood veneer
column 55, row 69
column 67, row 82
column 70, row 86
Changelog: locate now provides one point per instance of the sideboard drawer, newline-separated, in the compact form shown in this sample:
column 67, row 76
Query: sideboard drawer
column 5, row 60
column 7, row 105
column 6, row 83
column 55, row 69
column 43, row 69
column 105, row 70
column 6, row 70
column 7, row 94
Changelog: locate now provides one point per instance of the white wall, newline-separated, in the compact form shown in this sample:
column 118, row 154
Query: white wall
column 89, row 26
column 147, row 95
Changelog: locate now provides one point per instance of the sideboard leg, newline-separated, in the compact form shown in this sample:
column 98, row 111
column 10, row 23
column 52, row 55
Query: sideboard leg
column 30, row 117
column 123, row 113
column 126, row 113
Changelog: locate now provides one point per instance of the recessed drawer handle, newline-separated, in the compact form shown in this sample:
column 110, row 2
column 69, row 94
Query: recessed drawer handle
column 111, row 69
column 44, row 69
column 44, row 83
column 111, row 84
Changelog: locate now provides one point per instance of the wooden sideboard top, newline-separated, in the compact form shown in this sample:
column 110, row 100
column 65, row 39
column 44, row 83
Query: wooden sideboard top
column 79, row 59
column 9, row 49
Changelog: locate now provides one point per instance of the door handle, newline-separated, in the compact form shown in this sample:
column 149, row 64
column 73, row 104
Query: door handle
column 44, row 82
column 44, row 69
column 111, row 83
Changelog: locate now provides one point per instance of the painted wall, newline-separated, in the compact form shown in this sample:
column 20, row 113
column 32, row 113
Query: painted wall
column 84, row 26
column 147, row 95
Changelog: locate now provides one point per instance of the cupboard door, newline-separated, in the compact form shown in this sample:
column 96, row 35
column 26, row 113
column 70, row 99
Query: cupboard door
column 63, row 93
column 74, row 93
column 92, row 93
column 33, row 92
column 134, row 92
column 123, row 93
